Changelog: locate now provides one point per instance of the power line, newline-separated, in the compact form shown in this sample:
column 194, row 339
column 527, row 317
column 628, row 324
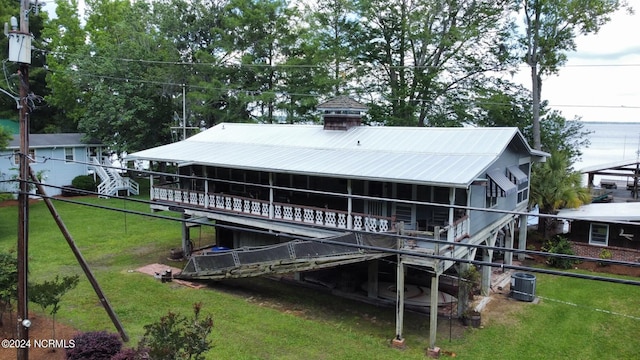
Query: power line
column 394, row 251
column 259, row 92
column 336, row 194
column 284, row 66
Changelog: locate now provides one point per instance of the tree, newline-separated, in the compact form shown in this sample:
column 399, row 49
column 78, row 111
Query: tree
column 335, row 33
column 507, row 104
column 121, row 77
column 8, row 282
column 65, row 40
column 10, row 81
column 551, row 27
column 554, row 185
column 49, row 293
column 424, row 58
column 5, row 137
column 263, row 31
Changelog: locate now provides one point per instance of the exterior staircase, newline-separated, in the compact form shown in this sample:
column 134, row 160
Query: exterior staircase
column 112, row 182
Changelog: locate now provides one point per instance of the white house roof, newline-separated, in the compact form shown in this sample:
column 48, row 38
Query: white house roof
column 437, row 156
column 617, row 165
column 623, row 211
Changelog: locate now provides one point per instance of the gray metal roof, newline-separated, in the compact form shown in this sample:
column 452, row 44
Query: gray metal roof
column 52, row 140
column 437, row 156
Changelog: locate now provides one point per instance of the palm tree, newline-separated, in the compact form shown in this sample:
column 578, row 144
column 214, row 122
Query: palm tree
column 555, row 185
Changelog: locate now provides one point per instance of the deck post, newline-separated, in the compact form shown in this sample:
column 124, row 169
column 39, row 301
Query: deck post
column 433, row 311
column 399, row 301
column 508, row 255
column 372, row 283
column 186, row 237
column 522, row 236
column 486, row 271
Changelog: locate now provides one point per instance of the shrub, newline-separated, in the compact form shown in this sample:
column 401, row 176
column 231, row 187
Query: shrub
column 175, row 336
column 561, row 246
column 605, row 254
column 84, row 182
column 97, row 345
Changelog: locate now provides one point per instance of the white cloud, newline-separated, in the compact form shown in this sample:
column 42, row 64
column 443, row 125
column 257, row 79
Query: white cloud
column 601, row 80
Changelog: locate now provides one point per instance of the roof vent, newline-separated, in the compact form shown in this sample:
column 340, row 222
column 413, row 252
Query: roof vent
column 342, row 113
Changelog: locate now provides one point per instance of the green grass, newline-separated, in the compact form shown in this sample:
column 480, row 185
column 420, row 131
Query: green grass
column 263, row 319
column 575, row 319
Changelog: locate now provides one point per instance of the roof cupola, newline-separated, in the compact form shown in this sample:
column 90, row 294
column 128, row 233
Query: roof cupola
column 341, row 113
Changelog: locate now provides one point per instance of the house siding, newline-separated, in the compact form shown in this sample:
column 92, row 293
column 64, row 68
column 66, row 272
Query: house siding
column 55, row 172
column 580, row 230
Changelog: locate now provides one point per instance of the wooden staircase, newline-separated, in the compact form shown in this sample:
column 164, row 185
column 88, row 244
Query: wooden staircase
column 112, row 182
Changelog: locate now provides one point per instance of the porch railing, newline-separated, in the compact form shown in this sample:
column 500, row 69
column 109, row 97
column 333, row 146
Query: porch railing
column 280, row 211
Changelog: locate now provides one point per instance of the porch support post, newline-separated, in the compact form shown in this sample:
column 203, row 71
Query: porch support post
column 508, row 255
column 486, row 272
column 452, row 201
column 433, row 311
column 372, row 283
column 206, row 187
column 349, row 205
column 186, row 237
column 150, row 187
column 399, row 300
column 522, row 236
column 270, row 195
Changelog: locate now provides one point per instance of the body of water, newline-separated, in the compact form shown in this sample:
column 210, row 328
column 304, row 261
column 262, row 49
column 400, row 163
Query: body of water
column 610, row 142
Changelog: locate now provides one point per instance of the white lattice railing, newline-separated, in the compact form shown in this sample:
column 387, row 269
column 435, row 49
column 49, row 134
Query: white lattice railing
column 281, row 211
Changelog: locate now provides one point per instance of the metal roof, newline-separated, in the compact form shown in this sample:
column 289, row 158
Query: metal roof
column 52, row 140
column 437, row 156
column 623, row 211
column 617, row 165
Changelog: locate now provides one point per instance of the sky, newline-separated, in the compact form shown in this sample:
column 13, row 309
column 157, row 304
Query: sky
column 601, row 79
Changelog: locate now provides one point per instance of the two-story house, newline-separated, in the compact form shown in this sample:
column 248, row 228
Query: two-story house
column 343, row 181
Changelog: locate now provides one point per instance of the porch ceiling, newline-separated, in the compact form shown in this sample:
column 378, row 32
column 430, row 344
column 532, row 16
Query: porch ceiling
column 436, row 156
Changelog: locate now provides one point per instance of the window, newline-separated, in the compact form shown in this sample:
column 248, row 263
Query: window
column 16, row 156
column 518, row 175
column 68, row 155
column 492, row 200
column 599, row 234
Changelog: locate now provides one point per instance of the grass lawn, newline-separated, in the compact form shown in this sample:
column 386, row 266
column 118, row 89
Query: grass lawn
column 263, row 319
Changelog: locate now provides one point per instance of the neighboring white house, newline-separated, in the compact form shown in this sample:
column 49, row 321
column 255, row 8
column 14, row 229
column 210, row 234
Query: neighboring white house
column 57, row 158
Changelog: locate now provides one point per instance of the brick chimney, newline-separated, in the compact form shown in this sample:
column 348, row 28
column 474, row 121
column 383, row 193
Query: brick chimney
column 341, row 113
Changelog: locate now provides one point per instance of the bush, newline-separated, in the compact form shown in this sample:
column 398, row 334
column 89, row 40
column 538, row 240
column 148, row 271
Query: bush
column 559, row 245
column 84, row 182
column 605, row 254
column 175, row 336
column 97, row 345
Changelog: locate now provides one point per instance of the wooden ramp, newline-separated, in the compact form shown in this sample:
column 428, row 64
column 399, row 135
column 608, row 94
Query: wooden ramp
column 286, row 257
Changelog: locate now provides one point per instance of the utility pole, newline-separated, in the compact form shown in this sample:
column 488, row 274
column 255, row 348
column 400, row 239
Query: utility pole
column 20, row 52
